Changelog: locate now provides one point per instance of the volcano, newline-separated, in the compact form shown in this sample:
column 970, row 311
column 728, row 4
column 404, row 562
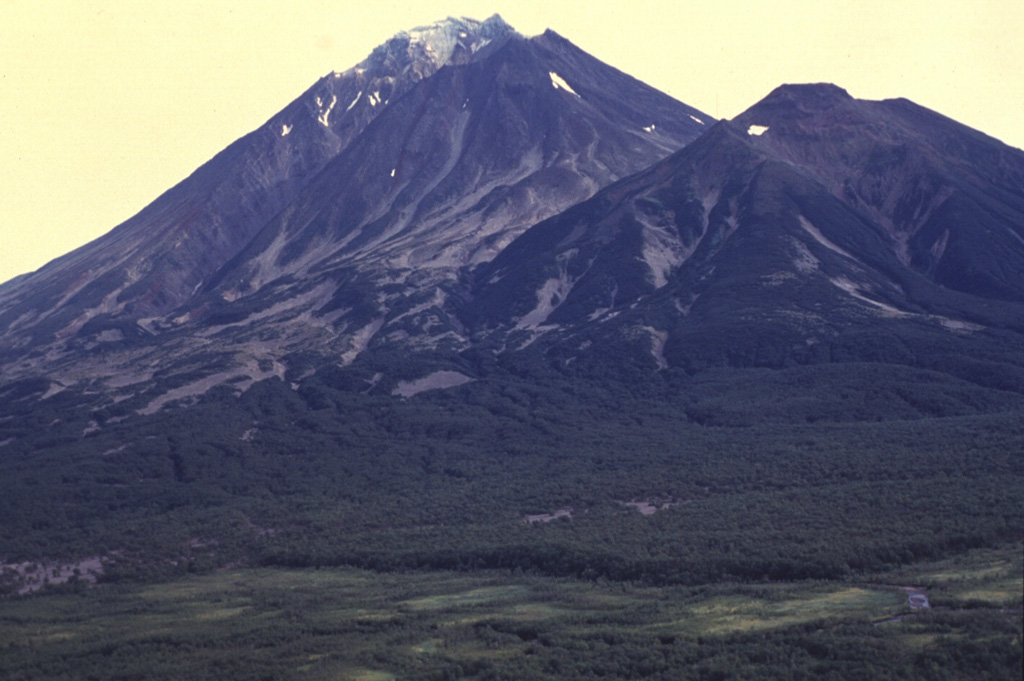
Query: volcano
column 484, row 303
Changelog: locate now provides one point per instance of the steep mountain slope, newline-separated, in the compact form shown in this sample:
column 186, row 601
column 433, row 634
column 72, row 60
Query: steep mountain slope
column 355, row 205
column 812, row 228
column 453, row 172
column 949, row 197
column 156, row 260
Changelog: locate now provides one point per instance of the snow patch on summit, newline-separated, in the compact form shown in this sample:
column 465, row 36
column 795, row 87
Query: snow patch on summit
column 757, row 130
column 439, row 41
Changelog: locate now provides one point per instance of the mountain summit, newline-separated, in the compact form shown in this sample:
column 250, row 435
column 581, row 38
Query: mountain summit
column 451, row 41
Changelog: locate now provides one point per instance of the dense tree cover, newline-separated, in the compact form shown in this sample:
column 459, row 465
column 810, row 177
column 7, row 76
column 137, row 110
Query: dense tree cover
column 811, row 473
column 808, row 652
column 807, row 473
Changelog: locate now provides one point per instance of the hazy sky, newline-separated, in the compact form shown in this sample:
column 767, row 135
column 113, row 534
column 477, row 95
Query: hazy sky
column 106, row 104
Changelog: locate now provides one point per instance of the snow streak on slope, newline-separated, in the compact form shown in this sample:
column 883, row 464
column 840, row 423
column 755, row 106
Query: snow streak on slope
column 325, row 114
column 360, row 340
column 662, row 250
column 559, row 83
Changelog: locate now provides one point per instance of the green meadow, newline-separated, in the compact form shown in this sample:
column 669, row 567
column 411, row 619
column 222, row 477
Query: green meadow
column 347, row 623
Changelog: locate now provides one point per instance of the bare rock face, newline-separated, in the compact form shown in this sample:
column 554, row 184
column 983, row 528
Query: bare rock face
column 160, row 258
column 811, row 228
column 949, row 198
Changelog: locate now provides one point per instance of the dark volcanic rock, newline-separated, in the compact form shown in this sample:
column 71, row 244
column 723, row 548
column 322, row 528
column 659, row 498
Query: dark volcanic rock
column 950, row 198
column 357, row 203
column 813, row 227
column 466, row 192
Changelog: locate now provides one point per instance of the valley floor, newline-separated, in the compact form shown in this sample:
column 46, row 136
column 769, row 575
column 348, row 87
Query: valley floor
column 344, row 623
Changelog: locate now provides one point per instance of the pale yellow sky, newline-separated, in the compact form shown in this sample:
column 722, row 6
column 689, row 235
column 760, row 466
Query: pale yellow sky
column 104, row 104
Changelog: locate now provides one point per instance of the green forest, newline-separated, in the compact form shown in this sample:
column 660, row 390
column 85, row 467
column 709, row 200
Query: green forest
column 728, row 524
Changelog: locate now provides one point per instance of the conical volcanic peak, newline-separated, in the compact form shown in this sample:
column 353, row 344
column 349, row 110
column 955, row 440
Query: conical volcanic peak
column 949, row 197
column 469, row 158
column 170, row 251
column 346, row 101
column 357, row 206
column 814, row 226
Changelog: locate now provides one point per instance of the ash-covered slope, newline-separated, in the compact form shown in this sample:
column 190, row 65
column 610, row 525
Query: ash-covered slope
column 813, row 227
column 159, row 258
column 446, row 178
column 433, row 153
column 950, row 198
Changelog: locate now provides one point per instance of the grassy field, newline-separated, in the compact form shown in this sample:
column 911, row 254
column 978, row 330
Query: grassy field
column 354, row 624
column 983, row 578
